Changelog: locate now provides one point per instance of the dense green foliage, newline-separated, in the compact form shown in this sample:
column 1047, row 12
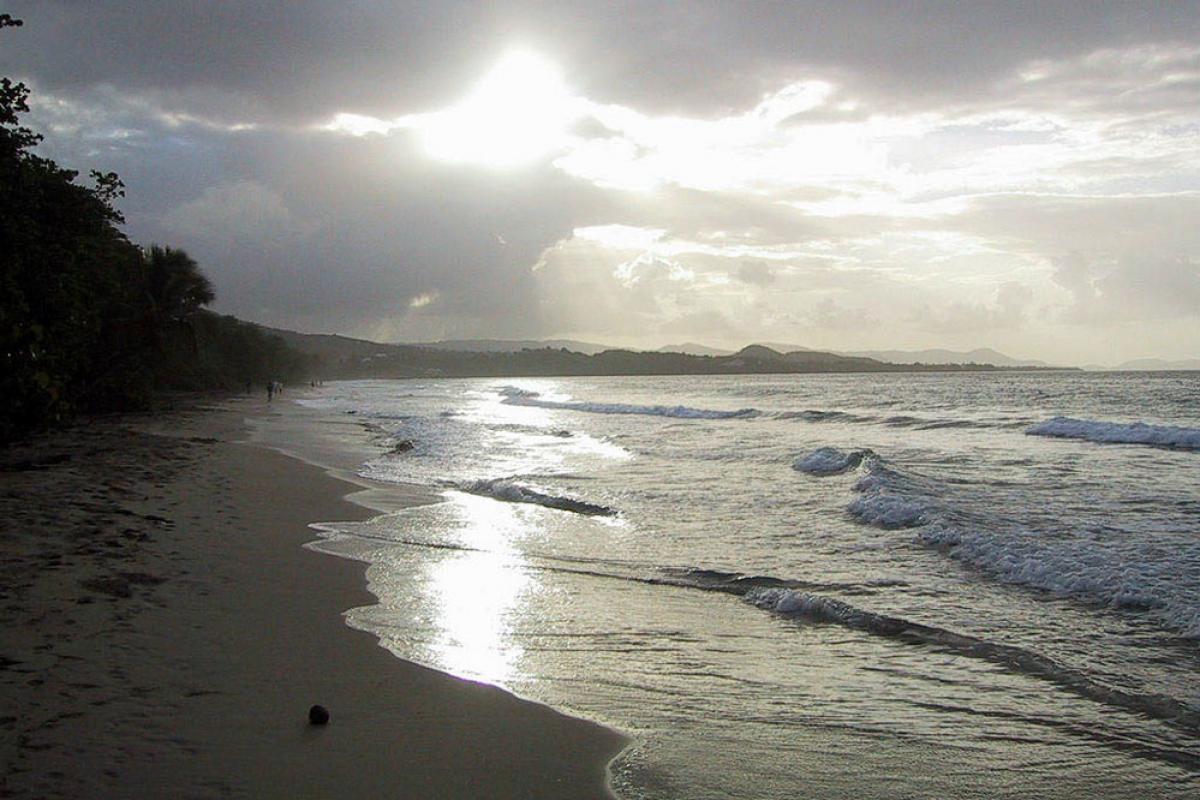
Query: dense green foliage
column 222, row 352
column 88, row 320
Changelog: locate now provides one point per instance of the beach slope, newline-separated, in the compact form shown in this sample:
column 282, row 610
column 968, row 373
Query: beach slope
column 164, row 633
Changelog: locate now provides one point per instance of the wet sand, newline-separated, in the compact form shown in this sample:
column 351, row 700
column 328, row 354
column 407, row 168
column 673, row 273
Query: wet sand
column 163, row 632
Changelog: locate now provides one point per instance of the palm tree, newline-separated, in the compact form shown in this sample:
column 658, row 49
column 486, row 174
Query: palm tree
column 175, row 285
column 176, row 289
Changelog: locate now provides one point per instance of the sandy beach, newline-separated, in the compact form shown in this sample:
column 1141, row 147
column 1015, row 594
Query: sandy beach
column 163, row 632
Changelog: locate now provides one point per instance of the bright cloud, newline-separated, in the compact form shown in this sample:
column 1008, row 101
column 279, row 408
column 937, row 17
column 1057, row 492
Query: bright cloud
column 422, row 300
column 520, row 111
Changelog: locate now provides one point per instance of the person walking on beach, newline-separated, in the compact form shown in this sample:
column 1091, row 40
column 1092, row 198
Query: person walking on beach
column 270, row 391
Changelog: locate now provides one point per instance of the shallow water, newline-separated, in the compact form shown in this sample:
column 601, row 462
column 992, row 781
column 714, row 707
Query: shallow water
column 975, row 585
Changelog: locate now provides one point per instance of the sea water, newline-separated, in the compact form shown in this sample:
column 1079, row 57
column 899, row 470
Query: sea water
column 828, row 586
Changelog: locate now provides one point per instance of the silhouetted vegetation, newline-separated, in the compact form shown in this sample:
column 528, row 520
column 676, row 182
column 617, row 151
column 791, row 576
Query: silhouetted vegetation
column 88, row 320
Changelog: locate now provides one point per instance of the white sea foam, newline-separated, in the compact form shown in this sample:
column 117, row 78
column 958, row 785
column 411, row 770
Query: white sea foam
column 886, row 498
column 521, row 397
column 1118, row 432
column 888, row 511
column 829, row 461
column 1094, row 575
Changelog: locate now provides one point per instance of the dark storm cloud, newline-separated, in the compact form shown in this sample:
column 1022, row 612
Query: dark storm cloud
column 297, row 60
column 363, row 228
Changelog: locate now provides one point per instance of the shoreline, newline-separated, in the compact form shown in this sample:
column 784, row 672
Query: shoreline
column 144, row 654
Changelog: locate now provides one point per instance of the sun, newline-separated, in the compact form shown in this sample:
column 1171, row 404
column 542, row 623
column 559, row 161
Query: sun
column 519, row 112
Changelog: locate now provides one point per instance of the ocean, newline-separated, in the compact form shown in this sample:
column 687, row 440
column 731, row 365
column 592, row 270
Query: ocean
column 979, row 585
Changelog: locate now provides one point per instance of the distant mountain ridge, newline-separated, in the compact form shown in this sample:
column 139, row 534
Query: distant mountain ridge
column 346, row 357
column 693, row 349
column 335, row 348
column 514, row 345
column 981, row 355
column 1159, row 365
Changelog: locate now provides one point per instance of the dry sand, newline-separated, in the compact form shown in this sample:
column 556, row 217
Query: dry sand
column 163, row 633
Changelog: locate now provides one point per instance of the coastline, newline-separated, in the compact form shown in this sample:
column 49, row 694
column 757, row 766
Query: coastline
column 166, row 630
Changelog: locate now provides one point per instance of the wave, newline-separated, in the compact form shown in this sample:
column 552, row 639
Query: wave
column 818, row 415
column 740, row 584
column 823, row 609
column 1082, row 571
column 805, row 600
column 896, row 421
column 533, row 430
column 888, row 499
column 1118, row 433
column 1092, row 576
column 830, row 461
column 934, row 423
column 521, row 397
column 888, row 511
column 510, row 492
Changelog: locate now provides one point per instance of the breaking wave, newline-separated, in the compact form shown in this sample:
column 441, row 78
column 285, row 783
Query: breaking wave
column 818, row 415
column 823, row 609
column 1092, row 575
column 830, row 461
column 521, row 397
column 895, row 421
column 511, row 492
column 888, row 511
column 1118, row 433
column 887, row 499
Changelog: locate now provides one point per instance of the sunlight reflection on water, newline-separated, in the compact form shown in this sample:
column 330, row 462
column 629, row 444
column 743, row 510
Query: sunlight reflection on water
column 474, row 595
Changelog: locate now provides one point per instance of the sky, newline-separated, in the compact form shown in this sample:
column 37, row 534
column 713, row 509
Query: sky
column 846, row 176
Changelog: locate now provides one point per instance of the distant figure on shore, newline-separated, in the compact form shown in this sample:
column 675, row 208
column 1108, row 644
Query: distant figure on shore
column 270, row 391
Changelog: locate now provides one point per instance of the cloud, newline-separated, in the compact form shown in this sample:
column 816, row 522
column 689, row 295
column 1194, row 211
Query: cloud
column 831, row 315
column 422, row 300
column 1148, row 287
column 706, row 323
column 1007, row 309
column 838, row 175
column 648, row 268
column 298, row 61
column 757, row 273
column 239, row 211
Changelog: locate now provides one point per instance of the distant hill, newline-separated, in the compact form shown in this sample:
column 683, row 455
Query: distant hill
column 1159, row 365
column 982, row 355
column 346, row 357
column 791, row 348
column 813, row 360
column 331, row 348
column 514, row 345
column 693, row 349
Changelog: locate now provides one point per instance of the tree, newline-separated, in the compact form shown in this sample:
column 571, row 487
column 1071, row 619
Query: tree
column 175, row 289
column 87, row 319
column 66, row 295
